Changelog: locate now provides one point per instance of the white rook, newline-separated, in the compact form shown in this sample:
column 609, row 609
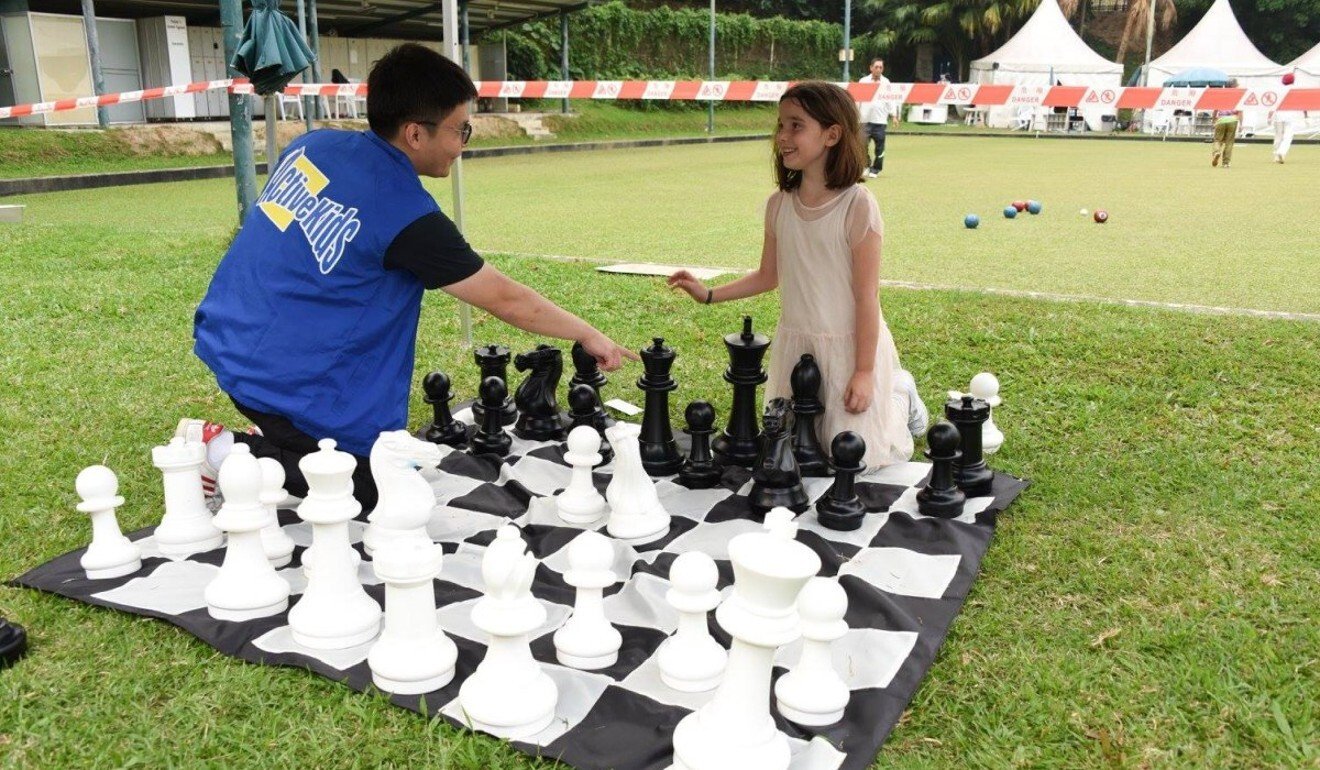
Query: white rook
column 413, row 655
column 187, row 527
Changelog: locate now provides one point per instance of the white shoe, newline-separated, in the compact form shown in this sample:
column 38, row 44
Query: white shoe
column 918, row 417
column 871, row 174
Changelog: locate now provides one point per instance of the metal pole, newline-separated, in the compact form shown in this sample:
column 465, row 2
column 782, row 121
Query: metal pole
column 94, row 50
column 563, row 54
column 1150, row 40
column 456, row 171
column 710, row 105
column 307, row 101
column 240, row 113
column 465, row 35
column 847, row 38
column 315, row 42
column 272, row 134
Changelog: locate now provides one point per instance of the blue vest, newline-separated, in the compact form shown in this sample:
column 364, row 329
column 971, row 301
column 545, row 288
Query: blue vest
column 302, row 319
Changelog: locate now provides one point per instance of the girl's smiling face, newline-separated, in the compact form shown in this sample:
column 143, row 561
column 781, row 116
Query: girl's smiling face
column 801, row 140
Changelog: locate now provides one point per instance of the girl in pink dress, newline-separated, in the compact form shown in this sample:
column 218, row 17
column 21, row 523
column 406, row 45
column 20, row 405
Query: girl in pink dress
column 823, row 235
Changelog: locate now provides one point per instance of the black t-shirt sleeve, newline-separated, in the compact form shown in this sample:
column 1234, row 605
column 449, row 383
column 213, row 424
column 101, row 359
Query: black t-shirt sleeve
column 434, row 250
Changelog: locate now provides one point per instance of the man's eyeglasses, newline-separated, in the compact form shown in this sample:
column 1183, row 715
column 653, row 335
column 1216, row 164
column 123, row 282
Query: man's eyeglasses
column 465, row 133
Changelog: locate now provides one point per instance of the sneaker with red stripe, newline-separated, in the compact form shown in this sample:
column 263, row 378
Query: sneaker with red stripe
column 201, row 432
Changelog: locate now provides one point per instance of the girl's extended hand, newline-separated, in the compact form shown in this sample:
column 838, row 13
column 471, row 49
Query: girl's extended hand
column 687, row 282
column 857, row 396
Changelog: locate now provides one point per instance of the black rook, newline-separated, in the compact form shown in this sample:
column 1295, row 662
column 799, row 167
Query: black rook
column 493, row 360
column 970, row 473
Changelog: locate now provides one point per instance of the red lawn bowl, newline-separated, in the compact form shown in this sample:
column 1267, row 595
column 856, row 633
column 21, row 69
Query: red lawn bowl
column 1020, row 205
column 1101, row 216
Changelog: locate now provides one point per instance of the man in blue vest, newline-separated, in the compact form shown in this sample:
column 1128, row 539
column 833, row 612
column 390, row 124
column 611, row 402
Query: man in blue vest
column 310, row 322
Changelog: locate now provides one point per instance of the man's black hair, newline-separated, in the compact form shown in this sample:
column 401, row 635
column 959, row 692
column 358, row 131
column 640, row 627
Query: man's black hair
column 414, row 83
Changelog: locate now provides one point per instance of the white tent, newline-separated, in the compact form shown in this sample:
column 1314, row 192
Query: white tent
column 1046, row 51
column 1217, row 41
column 1307, row 67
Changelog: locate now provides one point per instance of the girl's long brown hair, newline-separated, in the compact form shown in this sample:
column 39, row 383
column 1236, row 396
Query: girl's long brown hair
column 828, row 105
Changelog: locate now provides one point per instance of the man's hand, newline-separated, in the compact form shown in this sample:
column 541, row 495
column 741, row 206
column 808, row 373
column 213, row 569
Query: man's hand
column 687, row 282
column 609, row 355
column 857, row 396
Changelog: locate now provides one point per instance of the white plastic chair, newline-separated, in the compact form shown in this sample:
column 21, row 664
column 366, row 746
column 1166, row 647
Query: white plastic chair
column 1159, row 122
column 1023, row 120
column 295, row 101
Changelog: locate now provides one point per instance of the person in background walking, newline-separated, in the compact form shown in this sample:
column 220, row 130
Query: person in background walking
column 876, row 115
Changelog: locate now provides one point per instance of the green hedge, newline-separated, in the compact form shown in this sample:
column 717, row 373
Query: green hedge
column 615, row 42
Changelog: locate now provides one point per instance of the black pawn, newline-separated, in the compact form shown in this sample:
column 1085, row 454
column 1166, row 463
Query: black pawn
column 699, row 470
column 538, row 409
column 841, row 509
column 13, row 642
column 738, row 444
column 584, row 410
column 490, row 438
column 805, row 382
column 776, row 480
column 942, row 497
column 493, row 360
column 660, row 456
column 444, row 429
column 970, row 472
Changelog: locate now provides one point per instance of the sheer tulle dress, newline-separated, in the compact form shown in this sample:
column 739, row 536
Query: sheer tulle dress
column 814, row 253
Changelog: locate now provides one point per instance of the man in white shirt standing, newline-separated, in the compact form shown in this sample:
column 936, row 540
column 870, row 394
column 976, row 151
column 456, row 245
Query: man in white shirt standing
column 1283, row 126
column 876, row 115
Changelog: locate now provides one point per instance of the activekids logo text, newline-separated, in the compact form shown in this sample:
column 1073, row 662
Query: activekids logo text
column 293, row 195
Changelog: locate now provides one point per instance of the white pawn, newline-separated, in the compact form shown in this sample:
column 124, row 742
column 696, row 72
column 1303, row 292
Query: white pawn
column 812, row 693
column 186, row 527
column 509, row 694
column 413, row 655
column 691, row 660
column 246, row 586
column 985, row 386
column 334, row 612
column 580, row 503
column 587, row 640
column 636, row 515
column 110, row 554
column 277, row 545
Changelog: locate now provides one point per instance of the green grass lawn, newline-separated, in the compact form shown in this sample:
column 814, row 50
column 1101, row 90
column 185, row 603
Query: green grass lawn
column 1149, row 602
column 1179, row 231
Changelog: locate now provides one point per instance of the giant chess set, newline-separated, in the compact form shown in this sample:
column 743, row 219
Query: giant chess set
column 591, row 590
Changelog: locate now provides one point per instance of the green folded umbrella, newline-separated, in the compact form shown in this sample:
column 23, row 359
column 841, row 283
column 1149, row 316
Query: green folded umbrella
column 272, row 51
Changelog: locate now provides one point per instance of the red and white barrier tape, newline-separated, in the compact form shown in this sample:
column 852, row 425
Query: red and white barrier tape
column 969, row 94
column 106, row 100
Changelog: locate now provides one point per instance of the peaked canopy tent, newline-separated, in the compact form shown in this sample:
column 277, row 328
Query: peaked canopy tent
column 1217, row 41
column 1046, row 51
column 1307, row 68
